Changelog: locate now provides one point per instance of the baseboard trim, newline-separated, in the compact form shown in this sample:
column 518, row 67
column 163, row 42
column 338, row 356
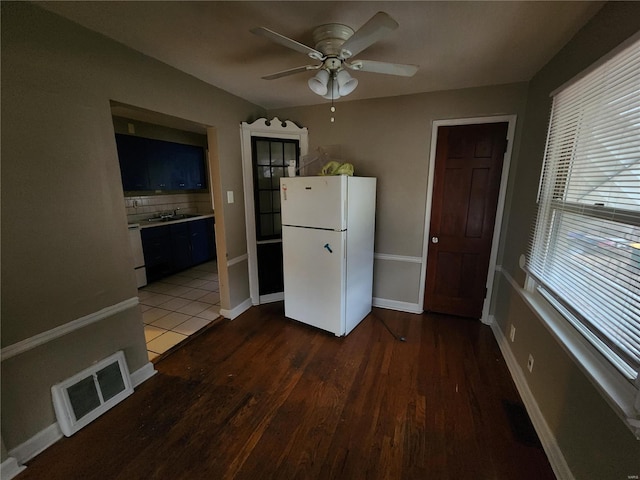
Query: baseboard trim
column 396, row 258
column 396, row 305
column 10, row 468
column 37, row 444
column 44, row 337
column 272, row 297
column 548, row 440
column 50, row 435
column 237, row 311
column 143, row 374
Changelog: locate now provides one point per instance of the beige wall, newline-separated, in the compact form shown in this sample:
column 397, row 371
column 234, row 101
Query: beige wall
column 65, row 250
column 390, row 138
column 594, row 441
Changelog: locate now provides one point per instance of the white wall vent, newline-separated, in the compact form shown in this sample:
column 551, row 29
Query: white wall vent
column 84, row 397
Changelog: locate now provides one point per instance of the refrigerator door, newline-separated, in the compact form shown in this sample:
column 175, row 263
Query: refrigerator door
column 314, row 277
column 316, row 202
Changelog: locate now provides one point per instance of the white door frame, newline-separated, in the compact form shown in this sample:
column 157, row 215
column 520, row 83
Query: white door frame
column 511, row 119
column 274, row 128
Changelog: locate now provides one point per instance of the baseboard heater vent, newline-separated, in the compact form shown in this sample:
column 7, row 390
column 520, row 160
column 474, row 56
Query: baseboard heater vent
column 84, row 397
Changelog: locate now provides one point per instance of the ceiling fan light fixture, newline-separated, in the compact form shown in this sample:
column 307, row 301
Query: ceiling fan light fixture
column 319, row 82
column 333, row 92
column 346, row 83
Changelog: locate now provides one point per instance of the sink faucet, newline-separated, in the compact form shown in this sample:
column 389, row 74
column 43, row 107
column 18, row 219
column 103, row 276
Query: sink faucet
column 175, row 212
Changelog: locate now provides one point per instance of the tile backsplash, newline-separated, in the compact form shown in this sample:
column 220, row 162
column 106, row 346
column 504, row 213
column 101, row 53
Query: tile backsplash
column 142, row 207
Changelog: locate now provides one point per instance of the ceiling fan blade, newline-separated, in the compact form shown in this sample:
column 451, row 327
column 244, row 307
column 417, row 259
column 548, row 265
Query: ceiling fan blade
column 376, row 28
column 291, row 71
column 287, row 42
column 372, row 66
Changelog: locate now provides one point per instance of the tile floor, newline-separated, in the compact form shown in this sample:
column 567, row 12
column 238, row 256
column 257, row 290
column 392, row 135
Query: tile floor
column 178, row 306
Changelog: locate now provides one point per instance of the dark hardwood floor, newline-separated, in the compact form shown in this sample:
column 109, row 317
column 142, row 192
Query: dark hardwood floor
column 263, row 397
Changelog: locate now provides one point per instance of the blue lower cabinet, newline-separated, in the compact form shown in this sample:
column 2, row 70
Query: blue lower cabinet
column 171, row 248
column 211, row 233
column 181, row 255
column 157, row 248
column 200, row 245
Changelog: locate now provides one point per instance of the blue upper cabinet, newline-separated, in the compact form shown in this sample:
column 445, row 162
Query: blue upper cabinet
column 133, row 163
column 188, row 171
column 148, row 164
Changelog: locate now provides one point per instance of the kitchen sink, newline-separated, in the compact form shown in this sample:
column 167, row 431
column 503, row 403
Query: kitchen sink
column 171, row 218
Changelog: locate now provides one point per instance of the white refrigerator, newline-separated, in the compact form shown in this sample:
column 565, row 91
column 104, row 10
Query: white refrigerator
column 328, row 228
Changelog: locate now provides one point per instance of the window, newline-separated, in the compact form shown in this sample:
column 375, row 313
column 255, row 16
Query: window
column 585, row 249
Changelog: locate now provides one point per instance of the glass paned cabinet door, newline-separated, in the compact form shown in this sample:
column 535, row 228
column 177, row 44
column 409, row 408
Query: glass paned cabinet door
column 271, row 157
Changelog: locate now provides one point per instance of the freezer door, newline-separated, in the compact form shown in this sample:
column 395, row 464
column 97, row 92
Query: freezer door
column 314, row 277
column 317, row 202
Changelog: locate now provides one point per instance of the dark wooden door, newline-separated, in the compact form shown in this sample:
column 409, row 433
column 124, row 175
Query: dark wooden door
column 468, row 168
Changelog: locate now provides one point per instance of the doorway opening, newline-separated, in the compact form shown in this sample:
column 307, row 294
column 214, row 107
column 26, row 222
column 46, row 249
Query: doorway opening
column 167, row 178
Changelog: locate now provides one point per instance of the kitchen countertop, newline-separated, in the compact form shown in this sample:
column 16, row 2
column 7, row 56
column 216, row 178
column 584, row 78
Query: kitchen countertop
column 147, row 224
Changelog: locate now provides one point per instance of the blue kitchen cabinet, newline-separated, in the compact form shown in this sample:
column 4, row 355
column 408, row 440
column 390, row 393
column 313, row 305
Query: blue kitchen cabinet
column 149, row 164
column 211, row 235
column 171, row 248
column 181, row 250
column 133, row 163
column 200, row 241
column 157, row 248
column 185, row 167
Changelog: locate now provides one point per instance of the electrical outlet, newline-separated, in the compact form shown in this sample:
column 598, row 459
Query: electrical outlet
column 512, row 333
column 530, row 363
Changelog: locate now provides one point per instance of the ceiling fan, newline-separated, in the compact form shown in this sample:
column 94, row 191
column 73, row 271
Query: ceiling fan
column 335, row 47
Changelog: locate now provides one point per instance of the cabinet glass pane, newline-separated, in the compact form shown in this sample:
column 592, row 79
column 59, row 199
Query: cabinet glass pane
column 276, row 201
column 277, row 153
column 265, row 201
column 277, row 223
column 264, row 177
column 266, row 225
column 276, row 173
column 289, row 152
column 263, row 156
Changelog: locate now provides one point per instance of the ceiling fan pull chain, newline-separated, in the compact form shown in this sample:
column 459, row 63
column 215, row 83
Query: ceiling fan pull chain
column 333, row 108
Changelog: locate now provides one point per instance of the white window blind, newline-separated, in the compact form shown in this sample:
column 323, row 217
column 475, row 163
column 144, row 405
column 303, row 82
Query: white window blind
column 585, row 249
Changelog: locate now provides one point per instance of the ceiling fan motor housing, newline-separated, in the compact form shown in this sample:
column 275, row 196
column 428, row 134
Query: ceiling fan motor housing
column 330, row 37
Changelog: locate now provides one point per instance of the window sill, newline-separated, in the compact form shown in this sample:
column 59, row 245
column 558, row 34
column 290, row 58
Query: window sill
column 619, row 393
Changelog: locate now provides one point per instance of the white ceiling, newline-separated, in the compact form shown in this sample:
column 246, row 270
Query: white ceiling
column 456, row 44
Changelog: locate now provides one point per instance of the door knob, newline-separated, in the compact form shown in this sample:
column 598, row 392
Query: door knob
column 434, row 240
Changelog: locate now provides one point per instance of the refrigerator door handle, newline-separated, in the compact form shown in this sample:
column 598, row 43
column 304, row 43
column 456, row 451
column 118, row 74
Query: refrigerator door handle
column 328, row 247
